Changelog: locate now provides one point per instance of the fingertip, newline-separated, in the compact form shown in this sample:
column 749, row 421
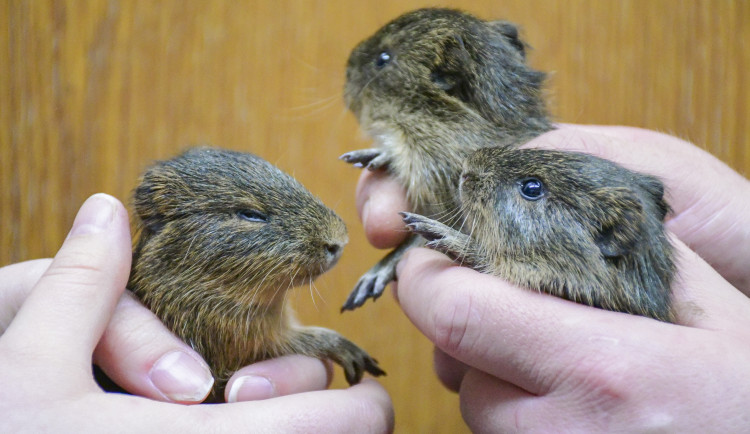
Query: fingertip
column 139, row 353
column 449, row 371
column 98, row 213
column 278, row 377
column 250, row 388
column 489, row 404
column 379, row 200
column 70, row 305
column 181, row 377
column 379, row 405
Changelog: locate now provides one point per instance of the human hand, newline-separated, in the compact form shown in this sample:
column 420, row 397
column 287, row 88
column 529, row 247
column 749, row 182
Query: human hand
column 705, row 212
column 528, row 361
column 710, row 201
column 142, row 356
column 51, row 332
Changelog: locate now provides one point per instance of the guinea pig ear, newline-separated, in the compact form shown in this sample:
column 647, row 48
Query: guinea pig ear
column 155, row 198
column 620, row 218
column 509, row 31
column 447, row 73
column 146, row 209
column 655, row 189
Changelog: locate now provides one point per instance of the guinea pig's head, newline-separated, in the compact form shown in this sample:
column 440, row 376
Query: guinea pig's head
column 445, row 66
column 542, row 201
column 235, row 219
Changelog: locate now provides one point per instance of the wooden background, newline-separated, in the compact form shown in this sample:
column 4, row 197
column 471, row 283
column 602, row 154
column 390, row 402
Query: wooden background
column 92, row 91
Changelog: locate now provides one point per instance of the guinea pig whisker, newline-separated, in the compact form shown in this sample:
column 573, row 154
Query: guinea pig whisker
column 315, row 287
column 286, row 294
column 366, row 85
column 270, row 272
column 323, row 101
column 187, row 251
column 467, row 243
column 312, row 296
column 278, row 286
column 313, row 108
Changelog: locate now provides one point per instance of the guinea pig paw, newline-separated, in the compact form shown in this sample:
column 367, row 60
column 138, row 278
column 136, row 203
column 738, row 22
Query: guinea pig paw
column 372, row 158
column 429, row 229
column 371, row 285
column 356, row 362
column 361, row 157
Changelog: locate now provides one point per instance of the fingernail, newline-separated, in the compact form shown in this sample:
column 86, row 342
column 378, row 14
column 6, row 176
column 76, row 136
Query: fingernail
column 95, row 215
column 251, row 388
column 181, row 378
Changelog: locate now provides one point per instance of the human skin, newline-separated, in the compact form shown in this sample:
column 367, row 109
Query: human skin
column 525, row 361
column 56, row 315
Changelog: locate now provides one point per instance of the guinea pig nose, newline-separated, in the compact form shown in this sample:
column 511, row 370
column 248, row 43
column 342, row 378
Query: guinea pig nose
column 333, row 251
column 466, row 179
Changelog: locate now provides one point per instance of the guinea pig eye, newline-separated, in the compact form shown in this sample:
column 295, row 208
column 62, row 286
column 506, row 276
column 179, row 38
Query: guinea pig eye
column 383, row 59
column 531, row 188
column 251, row 215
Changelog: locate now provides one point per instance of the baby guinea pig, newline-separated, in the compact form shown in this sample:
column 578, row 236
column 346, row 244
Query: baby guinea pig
column 569, row 224
column 430, row 87
column 222, row 237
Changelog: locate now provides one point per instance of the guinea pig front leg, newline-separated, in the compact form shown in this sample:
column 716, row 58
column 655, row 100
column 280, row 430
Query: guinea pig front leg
column 373, row 282
column 372, row 158
column 456, row 245
column 327, row 344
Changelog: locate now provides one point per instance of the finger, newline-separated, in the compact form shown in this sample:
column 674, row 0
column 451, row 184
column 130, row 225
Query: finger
column 143, row 357
column 449, row 371
column 379, row 200
column 702, row 297
column 527, row 338
column 365, row 407
column 69, row 307
column 489, row 404
column 278, row 377
column 635, row 148
column 17, row 281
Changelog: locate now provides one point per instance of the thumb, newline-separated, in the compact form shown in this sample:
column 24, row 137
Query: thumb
column 69, row 307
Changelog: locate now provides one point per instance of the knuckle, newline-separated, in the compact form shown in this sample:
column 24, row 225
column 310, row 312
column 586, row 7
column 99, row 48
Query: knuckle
column 602, row 382
column 73, row 275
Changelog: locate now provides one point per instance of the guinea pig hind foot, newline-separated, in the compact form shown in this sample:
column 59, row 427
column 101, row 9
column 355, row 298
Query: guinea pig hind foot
column 327, row 344
column 373, row 282
column 371, row 285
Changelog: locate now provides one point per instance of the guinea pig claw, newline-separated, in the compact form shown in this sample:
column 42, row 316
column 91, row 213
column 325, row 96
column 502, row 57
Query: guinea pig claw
column 371, row 285
column 361, row 157
column 355, row 362
column 428, row 229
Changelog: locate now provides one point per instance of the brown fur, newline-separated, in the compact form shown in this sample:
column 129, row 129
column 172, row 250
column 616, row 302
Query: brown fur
column 595, row 235
column 449, row 84
column 223, row 236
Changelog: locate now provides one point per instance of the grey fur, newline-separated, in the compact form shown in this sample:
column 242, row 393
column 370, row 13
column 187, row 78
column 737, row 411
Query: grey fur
column 452, row 84
column 595, row 236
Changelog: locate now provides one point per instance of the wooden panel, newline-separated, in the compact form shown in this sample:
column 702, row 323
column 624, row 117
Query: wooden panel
column 92, row 91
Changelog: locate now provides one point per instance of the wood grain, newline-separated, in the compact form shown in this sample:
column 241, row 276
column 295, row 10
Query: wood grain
column 93, row 91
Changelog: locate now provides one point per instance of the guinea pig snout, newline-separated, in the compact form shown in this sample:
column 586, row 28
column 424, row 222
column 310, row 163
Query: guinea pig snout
column 466, row 182
column 333, row 240
column 333, row 252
